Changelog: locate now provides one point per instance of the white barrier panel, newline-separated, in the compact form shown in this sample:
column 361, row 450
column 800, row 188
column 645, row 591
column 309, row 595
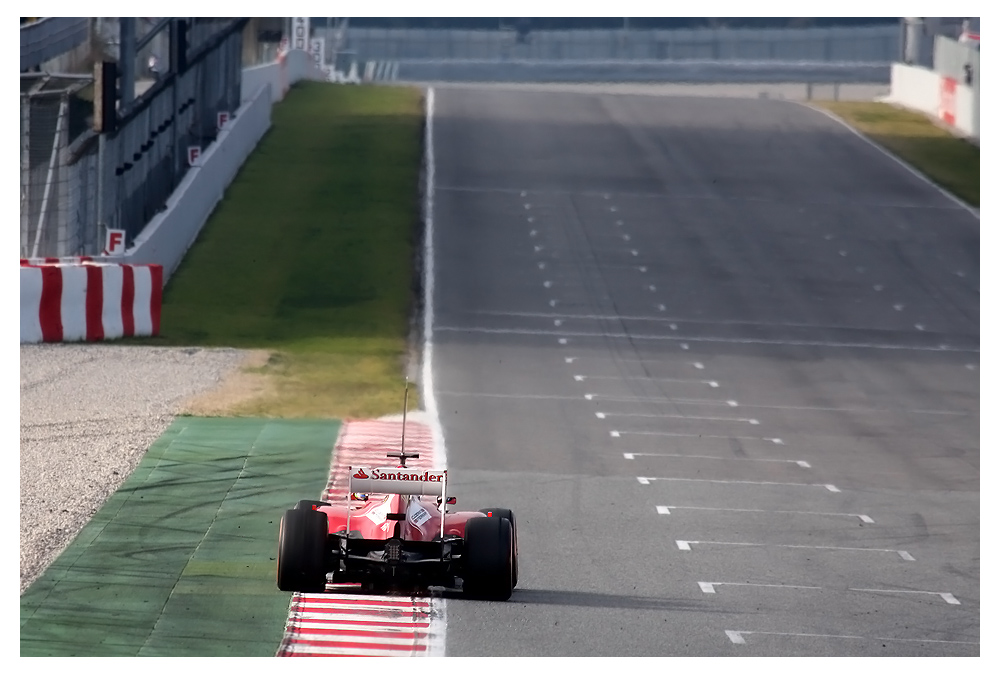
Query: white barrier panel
column 946, row 99
column 255, row 77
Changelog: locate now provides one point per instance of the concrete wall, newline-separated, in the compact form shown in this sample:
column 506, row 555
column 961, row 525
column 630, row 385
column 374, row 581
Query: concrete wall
column 170, row 234
column 924, row 90
column 280, row 75
column 915, row 87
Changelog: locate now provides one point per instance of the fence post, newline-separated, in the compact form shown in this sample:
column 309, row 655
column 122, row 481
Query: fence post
column 25, row 171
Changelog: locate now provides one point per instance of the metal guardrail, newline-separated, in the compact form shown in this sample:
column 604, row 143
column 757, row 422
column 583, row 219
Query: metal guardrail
column 869, row 44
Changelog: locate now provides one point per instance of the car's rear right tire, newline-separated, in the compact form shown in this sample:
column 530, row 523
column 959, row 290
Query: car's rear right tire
column 508, row 514
column 302, row 551
column 488, row 558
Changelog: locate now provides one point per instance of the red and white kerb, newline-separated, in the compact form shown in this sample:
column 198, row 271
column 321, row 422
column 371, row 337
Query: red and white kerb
column 339, row 623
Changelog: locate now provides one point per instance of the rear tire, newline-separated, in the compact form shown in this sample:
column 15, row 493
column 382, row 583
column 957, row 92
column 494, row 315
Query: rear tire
column 507, row 513
column 302, row 551
column 488, row 558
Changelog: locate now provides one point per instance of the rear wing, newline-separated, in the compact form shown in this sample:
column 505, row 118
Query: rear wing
column 413, row 481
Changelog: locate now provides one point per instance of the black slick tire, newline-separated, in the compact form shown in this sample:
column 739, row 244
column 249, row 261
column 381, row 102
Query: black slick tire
column 302, row 551
column 508, row 514
column 488, row 558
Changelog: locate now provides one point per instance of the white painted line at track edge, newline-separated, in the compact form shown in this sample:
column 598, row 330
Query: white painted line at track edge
column 436, row 646
column 899, row 161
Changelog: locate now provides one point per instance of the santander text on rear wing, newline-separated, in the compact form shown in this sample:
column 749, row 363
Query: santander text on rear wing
column 412, row 481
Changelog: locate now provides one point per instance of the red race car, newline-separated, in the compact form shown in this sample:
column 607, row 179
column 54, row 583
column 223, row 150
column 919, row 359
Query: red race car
column 394, row 531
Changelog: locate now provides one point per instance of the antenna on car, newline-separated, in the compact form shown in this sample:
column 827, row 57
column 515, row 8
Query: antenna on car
column 401, row 454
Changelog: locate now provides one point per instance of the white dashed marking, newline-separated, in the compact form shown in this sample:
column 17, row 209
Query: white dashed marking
column 827, row 487
column 736, row 637
column 660, row 433
column 750, row 421
column 901, row 553
column 665, row 510
column 630, row 456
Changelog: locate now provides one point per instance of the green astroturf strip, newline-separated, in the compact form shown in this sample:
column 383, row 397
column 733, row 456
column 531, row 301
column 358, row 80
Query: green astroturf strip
column 180, row 560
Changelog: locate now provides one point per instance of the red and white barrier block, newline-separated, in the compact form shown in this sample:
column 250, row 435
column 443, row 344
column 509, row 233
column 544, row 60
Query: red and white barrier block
column 89, row 301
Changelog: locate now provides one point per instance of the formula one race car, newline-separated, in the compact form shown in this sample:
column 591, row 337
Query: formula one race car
column 394, row 531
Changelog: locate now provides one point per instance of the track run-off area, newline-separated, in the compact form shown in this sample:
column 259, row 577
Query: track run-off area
column 720, row 356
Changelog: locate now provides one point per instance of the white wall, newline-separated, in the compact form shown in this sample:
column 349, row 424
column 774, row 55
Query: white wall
column 281, row 74
column 920, row 89
column 168, row 236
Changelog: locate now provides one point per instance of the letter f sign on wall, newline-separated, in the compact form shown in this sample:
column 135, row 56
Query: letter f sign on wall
column 114, row 244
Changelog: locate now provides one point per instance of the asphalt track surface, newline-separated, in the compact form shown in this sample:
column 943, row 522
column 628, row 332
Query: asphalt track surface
column 767, row 319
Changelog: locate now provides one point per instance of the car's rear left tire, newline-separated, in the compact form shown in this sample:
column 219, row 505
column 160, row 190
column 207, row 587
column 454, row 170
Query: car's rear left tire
column 301, row 563
column 488, row 558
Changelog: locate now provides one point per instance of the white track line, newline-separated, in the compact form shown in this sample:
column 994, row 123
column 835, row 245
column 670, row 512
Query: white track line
column 829, row 487
column 628, row 456
column 667, row 400
column 436, row 647
column 685, row 545
column 665, row 510
column 942, row 348
column 728, row 419
column 706, row 382
column 736, row 637
column 656, row 433
column 687, row 320
column 902, row 163
column 709, row 588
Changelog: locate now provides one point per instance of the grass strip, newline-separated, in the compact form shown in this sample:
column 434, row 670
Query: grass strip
column 310, row 255
column 949, row 161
